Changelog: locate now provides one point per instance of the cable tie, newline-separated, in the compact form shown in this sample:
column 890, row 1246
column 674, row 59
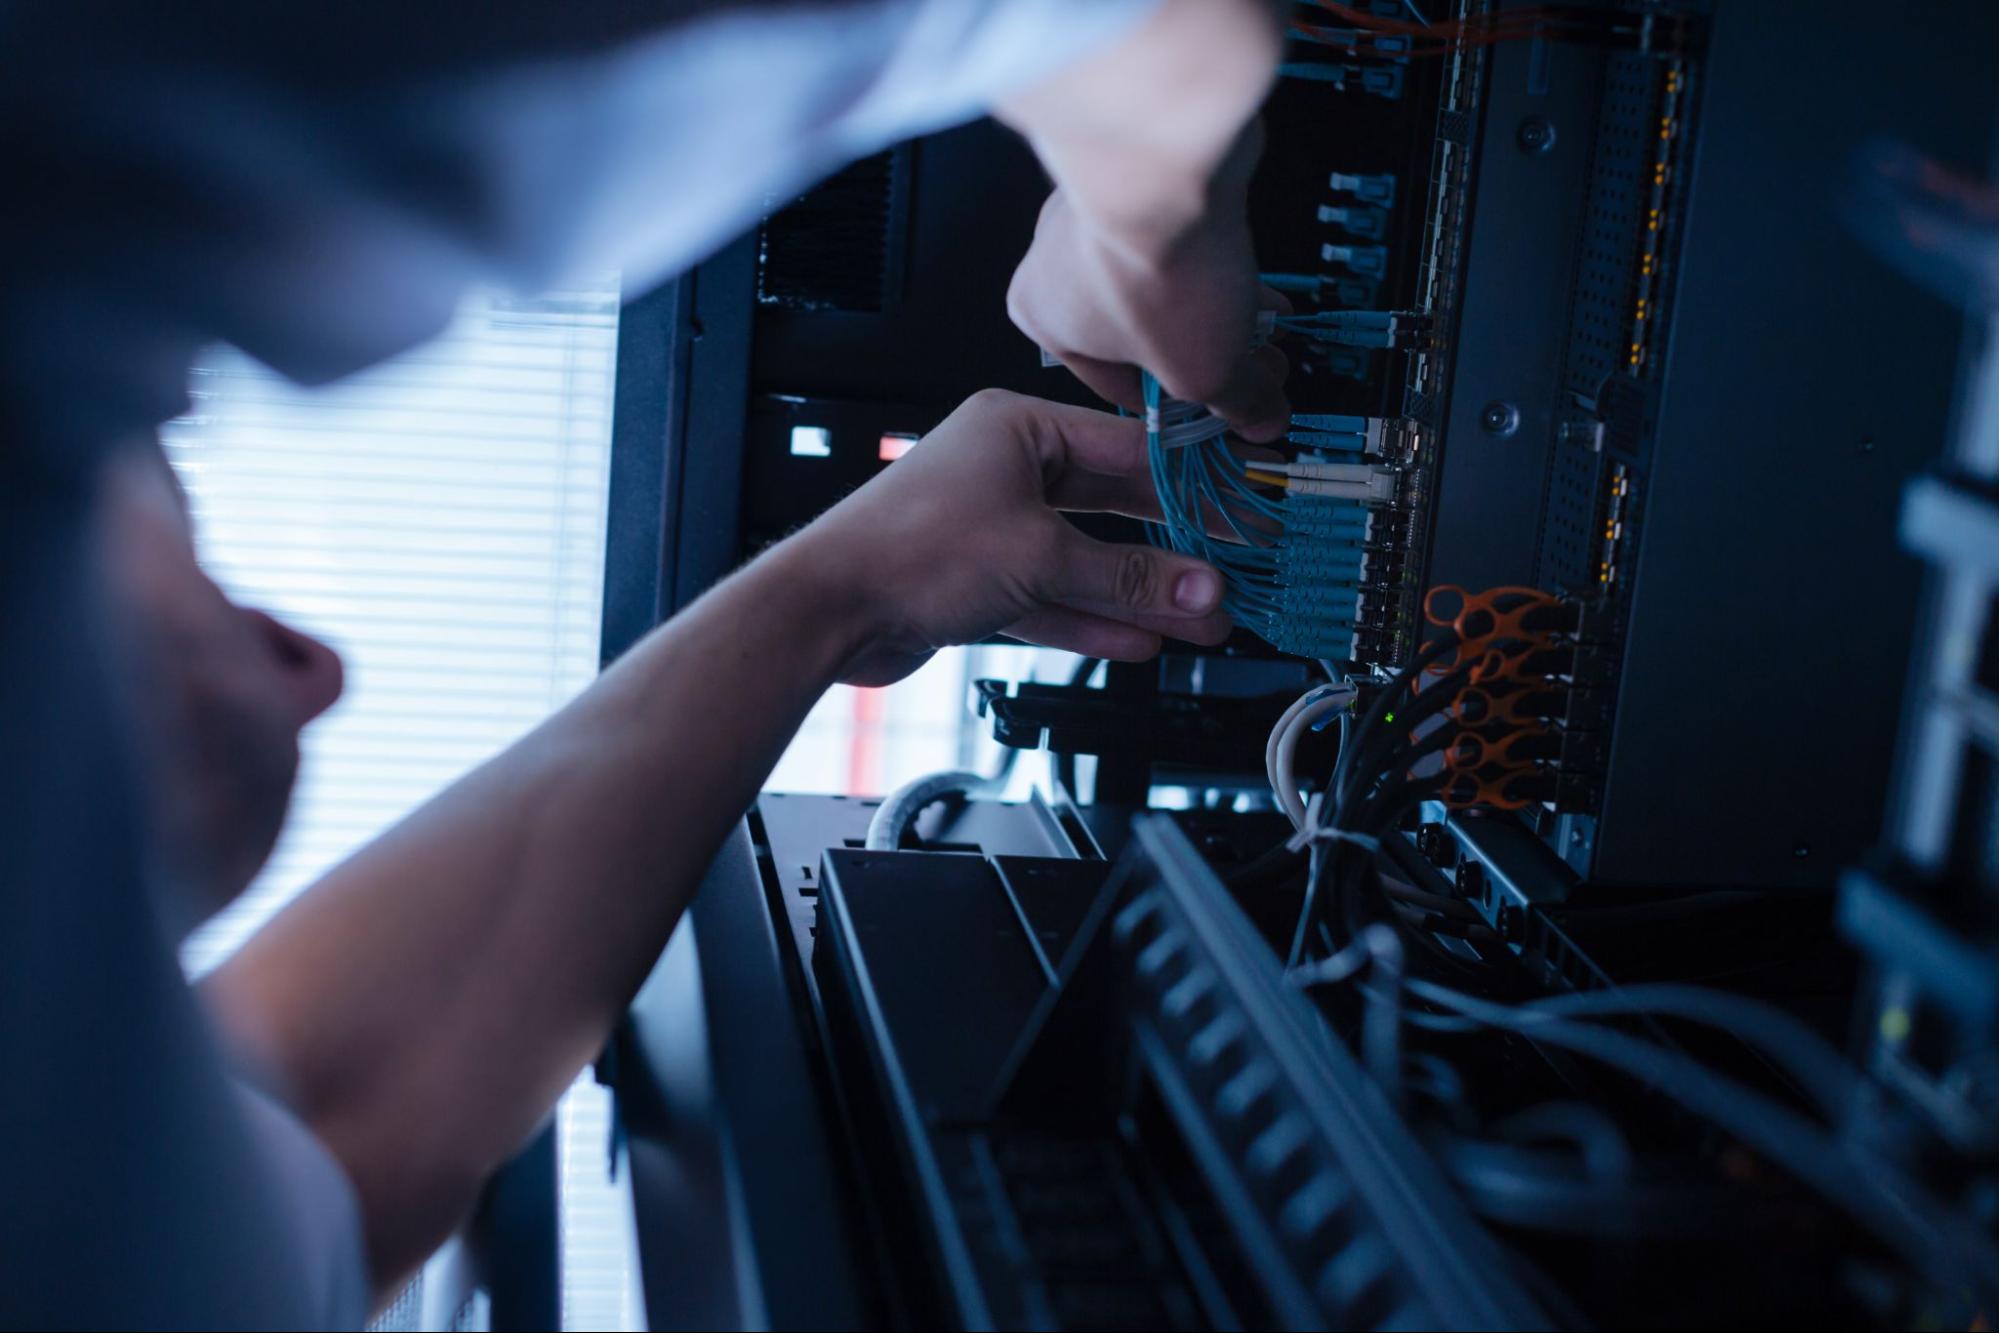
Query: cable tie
column 1307, row 837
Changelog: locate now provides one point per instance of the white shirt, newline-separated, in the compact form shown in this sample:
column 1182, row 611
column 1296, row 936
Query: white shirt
column 320, row 186
column 321, row 1212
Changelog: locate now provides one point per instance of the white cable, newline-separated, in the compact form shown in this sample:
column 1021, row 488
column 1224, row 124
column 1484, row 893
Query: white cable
column 1277, row 734
column 1316, row 835
column 1287, row 755
column 900, row 809
column 1284, row 720
column 1280, row 753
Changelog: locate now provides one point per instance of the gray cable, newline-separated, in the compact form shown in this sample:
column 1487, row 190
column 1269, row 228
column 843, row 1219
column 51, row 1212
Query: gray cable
column 1929, row 1235
column 1803, row 1054
column 1605, row 1152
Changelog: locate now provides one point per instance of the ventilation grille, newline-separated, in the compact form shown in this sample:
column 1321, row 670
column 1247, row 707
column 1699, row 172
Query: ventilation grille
column 1568, row 527
column 1599, row 331
column 834, row 248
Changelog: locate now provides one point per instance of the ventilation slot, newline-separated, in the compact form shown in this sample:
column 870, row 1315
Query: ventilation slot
column 835, row 247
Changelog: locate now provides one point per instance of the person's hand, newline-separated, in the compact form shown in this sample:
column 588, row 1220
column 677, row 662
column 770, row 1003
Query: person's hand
column 1142, row 257
column 963, row 537
column 1183, row 307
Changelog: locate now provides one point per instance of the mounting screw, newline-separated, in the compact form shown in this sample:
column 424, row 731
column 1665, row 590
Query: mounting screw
column 1535, row 135
column 1867, row 445
column 1499, row 419
column 1802, row 850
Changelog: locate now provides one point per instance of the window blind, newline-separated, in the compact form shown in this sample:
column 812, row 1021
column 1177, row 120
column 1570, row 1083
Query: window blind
column 440, row 521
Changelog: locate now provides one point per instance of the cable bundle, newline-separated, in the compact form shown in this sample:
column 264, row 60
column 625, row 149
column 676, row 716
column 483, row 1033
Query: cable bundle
column 1373, row 329
column 1470, row 721
column 1294, row 562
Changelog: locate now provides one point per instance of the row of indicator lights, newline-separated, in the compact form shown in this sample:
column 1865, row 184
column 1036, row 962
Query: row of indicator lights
column 1613, row 528
column 1647, row 260
column 817, row 442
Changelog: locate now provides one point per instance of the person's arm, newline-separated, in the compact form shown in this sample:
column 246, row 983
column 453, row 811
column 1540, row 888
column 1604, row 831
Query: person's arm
column 1142, row 256
column 424, row 1005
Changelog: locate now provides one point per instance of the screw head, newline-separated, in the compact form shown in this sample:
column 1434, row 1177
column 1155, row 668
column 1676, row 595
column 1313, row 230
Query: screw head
column 1535, row 135
column 1499, row 418
column 1802, row 850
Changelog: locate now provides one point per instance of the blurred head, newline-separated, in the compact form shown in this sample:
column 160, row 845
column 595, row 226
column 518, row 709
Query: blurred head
column 219, row 693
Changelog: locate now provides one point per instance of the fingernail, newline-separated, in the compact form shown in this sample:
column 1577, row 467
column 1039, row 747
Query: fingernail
column 1197, row 591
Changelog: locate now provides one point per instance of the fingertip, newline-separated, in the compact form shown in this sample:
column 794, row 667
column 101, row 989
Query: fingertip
column 1269, row 298
column 1260, row 411
column 1087, row 634
column 1114, row 383
column 1197, row 590
column 1266, row 432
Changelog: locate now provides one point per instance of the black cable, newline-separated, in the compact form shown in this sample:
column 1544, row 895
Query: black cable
column 1377, row 812
column 1380, row 752
column 1383, row 703
column 1344, row 880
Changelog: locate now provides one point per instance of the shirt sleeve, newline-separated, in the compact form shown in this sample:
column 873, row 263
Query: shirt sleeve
column 317, row 1205
column 323, row 197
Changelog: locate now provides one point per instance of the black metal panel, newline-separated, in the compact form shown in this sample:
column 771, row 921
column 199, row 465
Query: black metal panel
column 839, row 246
column 797, row 830
column 961, row 211
column 949, row 968
column 709, row 541
column 517, row 1239
column 647, row 416
column 739, row 1199
column 676, row 444
column 973, row 196
column 1510, row 330
column 1605, row 256
column 1771, row 611
column 733, row 1178
column 1051, row 1136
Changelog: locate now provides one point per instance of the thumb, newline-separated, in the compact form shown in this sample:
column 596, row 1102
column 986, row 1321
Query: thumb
column 1138, row 584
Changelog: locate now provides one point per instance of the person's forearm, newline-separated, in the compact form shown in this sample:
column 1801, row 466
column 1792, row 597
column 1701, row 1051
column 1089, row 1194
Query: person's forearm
column 1136, row 134
column 425, row 1003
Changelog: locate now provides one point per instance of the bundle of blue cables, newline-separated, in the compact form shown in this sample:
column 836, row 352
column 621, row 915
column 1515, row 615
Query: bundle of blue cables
column 1202, row 485
column 1292, row 565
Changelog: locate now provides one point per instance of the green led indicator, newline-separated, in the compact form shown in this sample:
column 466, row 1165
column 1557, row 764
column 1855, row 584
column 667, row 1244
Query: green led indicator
column 1389, row 718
